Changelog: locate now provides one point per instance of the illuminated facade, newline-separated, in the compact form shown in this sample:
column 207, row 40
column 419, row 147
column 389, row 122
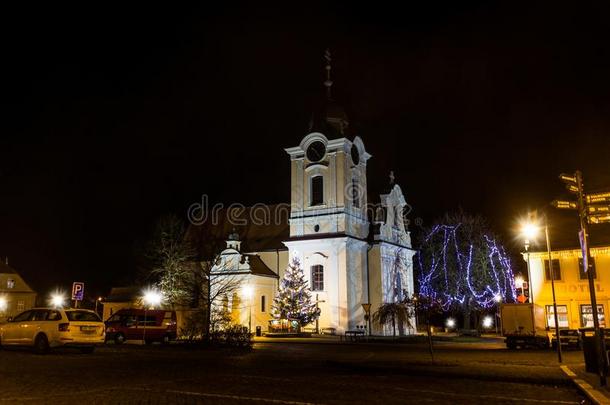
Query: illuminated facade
column 571, row 286
column 15, row 294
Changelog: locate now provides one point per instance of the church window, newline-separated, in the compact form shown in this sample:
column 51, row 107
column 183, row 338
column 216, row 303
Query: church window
column 317, row 278
column 10, row 283
column 317, row 190
column 263, row 303
column 355, row 194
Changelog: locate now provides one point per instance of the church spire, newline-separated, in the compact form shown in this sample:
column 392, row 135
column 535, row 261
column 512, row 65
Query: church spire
column 328, row 83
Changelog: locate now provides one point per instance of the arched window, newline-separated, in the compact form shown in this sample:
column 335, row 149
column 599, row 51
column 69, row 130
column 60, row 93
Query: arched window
column 317, row 190
column 317, row 278
column 263, row 304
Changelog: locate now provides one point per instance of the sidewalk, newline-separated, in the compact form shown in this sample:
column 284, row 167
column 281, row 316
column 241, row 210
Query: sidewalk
column 589, row 383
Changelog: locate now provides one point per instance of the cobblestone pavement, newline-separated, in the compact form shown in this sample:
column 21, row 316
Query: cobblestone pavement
column 286, row 373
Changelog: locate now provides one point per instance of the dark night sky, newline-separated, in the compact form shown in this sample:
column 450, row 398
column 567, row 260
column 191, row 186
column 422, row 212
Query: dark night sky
column 116, row 115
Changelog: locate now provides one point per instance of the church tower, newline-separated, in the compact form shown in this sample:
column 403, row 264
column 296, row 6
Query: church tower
column 328, row 217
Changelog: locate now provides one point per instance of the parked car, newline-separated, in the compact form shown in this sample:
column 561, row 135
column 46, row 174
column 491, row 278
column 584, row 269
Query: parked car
column 567, row 337
column 138, row 324
column 45, row 328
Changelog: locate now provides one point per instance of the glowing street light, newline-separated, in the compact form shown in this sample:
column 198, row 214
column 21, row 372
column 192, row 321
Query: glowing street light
column 487, row 322
column 152, row 298
column 519, row 281
column 498, row 298
column 3, row 304
column 450, row 323
column 529, row 231
column 57, row 300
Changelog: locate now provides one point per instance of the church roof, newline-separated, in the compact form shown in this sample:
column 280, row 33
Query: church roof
column 260, row 228
column 259, row 268
column 6, row 269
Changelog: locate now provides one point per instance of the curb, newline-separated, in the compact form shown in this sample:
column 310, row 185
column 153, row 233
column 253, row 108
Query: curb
column 594, row 395
column 446, row 370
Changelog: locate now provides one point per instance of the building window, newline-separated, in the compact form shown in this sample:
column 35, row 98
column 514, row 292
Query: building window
column 317, row 190
column 317, row 278
column 10, row 283
column 556, row 270
column 355, row 194
column 581, row 270
column 20, row 305
column 586, row 316
column 562, row 316
column 263, row 303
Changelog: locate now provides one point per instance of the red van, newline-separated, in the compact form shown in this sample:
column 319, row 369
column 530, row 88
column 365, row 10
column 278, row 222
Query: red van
column 137, row 324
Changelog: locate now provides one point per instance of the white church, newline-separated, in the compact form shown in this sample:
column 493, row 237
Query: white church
column 353, row 251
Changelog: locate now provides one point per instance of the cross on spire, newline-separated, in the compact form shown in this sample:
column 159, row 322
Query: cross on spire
column 328, row 83
column 392, row 178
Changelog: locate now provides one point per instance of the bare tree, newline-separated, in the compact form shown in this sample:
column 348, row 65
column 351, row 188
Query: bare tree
column 170, row 257
column 215, row 284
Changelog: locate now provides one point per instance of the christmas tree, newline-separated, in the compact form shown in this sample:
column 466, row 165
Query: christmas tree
column 293, row 300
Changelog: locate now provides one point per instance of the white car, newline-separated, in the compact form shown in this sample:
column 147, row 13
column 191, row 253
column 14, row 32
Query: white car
column 44, row 328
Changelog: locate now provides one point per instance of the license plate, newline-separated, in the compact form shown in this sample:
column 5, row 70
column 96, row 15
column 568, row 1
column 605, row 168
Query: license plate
column 88, row 329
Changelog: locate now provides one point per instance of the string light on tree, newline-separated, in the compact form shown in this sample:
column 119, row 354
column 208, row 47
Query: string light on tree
column 462, row 268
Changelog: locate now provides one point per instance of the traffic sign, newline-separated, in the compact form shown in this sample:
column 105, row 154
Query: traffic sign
column 78, row 291
column 567, row 178
column 599, row 218
column 564, row 205
column 594, row 198
column 598, row 208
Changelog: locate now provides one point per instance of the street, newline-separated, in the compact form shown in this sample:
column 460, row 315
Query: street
column 283, row 373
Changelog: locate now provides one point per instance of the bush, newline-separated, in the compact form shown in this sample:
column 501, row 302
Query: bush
column 232, row 336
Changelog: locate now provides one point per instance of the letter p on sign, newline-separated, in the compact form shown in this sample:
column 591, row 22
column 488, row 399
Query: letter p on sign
column 78, row 291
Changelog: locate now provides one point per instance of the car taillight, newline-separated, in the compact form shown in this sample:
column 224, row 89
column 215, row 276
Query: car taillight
column 64, row 327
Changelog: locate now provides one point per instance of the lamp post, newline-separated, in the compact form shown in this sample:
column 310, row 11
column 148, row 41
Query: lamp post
column 98, row 300
column 151, row 298
column 530, row 230
column 498, row 299
column 247, row 291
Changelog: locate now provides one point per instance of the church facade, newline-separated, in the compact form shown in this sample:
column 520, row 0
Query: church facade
column 352, row 252
column 355, row 254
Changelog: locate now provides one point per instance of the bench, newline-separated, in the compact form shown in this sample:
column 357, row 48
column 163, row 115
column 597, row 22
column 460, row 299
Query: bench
column 353, row 335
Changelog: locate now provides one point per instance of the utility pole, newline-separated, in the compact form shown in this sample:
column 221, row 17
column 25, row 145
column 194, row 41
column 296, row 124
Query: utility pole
column 584, row 237
column 588, row 213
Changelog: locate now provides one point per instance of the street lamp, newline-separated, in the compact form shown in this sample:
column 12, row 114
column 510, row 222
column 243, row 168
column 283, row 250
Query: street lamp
column 98, row 300
column 248, row 291
column 450, row 323
column 3, row 304
column 487, row 322
column 151, row 299
column 498, row 299
column 530, row 230
column 57, row 300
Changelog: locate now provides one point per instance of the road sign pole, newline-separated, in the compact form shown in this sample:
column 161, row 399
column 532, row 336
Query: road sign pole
column 582, row 214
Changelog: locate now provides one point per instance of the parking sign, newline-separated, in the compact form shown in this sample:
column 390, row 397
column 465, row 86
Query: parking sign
column 78, row 290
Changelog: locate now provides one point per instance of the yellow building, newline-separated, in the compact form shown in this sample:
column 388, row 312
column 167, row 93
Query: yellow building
column 15, row 294
column 571, row 282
